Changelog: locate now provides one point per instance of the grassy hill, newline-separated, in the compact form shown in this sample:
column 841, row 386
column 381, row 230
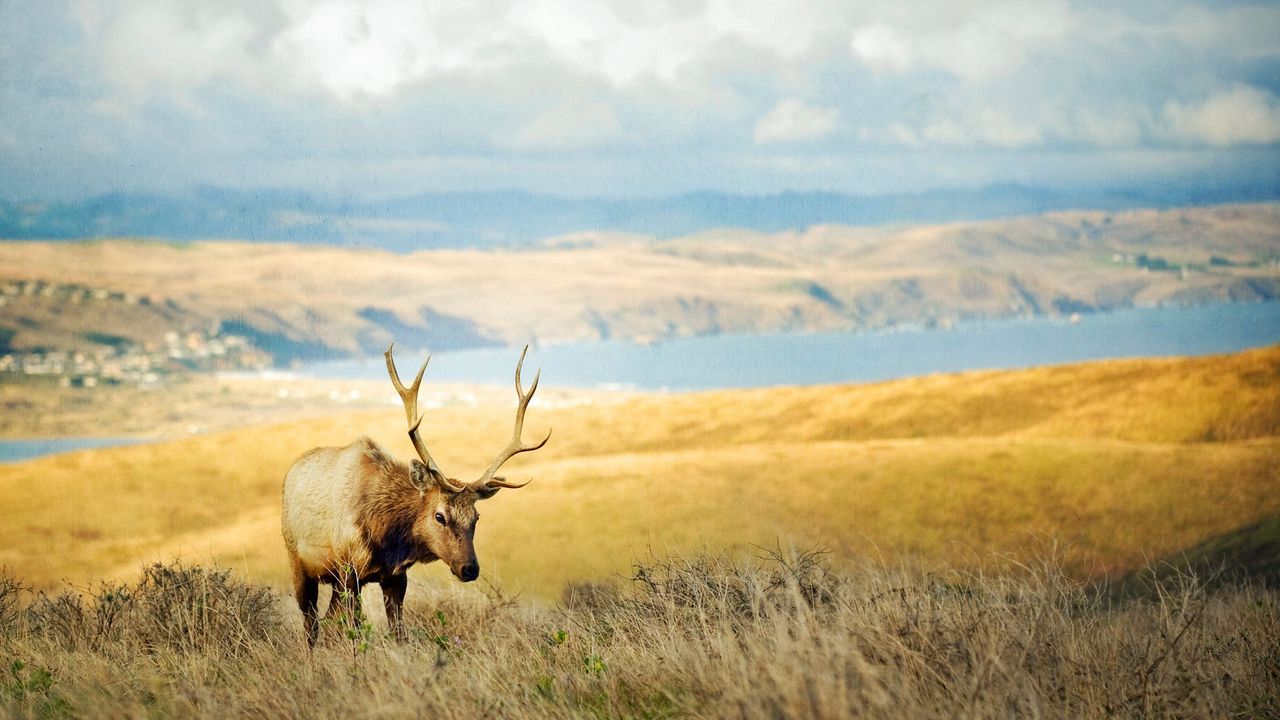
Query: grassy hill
column 304, row 301
column 1120, row 462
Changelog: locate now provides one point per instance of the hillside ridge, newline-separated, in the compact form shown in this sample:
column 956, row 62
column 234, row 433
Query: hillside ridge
column 295, row 303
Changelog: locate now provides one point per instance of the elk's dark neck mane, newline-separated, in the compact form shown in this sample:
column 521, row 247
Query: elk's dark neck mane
column 388, row 508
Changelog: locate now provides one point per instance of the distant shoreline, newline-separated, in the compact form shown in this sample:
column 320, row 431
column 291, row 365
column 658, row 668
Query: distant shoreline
column 728, row 361
column 615, row 372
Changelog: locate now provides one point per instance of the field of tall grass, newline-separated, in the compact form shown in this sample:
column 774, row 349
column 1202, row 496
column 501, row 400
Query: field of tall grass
column 781, row 634
column 975, row 528
column 1117, row 462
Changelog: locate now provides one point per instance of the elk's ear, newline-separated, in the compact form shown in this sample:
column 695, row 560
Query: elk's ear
column 422, row 476
column 425, row 477
column 484, row 492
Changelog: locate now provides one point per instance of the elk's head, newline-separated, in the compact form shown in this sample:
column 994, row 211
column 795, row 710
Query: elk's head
column 447, row 523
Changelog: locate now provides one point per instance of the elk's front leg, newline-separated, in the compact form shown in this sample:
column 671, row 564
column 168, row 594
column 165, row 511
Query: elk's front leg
column 345, row 599
column 393, row 589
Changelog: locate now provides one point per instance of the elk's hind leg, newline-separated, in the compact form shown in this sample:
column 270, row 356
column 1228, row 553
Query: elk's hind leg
column 307, row 590
column 393, row 589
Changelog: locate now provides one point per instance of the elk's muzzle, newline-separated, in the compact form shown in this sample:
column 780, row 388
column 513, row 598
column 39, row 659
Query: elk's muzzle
column 469, row 572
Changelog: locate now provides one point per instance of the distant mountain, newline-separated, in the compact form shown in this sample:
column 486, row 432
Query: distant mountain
column 513, row 218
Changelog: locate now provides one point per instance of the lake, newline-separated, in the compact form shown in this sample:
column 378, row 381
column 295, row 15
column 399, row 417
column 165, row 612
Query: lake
column 730, row 361
column 18, row 450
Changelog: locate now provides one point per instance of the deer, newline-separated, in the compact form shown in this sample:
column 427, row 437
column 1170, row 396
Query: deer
column 353, row 515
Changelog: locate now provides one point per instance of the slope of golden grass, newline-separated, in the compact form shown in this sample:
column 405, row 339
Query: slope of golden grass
column 1123, row 461
column 187, row 404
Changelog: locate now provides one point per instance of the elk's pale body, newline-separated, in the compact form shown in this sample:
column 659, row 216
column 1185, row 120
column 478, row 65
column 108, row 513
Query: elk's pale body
column 319, row 521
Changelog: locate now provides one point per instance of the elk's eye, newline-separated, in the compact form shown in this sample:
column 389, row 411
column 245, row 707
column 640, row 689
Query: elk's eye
column 440, row 518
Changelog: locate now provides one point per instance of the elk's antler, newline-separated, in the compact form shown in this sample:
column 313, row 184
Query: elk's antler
column 515, row 447
column 409, row 397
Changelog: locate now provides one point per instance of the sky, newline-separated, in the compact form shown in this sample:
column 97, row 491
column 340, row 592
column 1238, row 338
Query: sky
column 623, row 99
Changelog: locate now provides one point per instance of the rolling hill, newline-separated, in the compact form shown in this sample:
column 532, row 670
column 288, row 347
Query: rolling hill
column 300, row 302
column 1115, row 462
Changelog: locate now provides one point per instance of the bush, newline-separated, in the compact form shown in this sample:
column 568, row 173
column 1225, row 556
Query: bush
column 725, row 587
column 10, row 597
column 191, row 608
column 171, row 607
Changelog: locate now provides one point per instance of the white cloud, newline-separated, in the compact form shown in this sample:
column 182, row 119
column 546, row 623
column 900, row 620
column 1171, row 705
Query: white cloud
column 567, row 127
column 1242, row 115
column 628, row 42
column 793, row 121
column 167, row 44
column 333, row 84
column 357, row 48
column 1116, row 127
column 1001, row 129
column 589, row 37
column 946, row 132
column 788, row 29
column 940, row 124
column 903, row 135
column 975, row 41
column 1254, row 30
column 882, row 48
column 348, row 49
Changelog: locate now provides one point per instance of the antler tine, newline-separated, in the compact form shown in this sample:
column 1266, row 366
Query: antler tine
column 520, row 366
column 500, row 483
column 409, row 397
column 516, row 446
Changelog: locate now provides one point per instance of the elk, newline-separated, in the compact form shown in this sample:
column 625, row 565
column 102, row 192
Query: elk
column 354, row 515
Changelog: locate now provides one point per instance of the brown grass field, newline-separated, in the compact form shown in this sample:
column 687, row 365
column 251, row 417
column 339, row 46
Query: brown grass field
column 773, row 637
column 1117, row 462
column 967, row 520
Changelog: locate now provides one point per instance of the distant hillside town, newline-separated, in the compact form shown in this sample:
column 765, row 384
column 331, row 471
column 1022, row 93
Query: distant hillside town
column 107, row 359
column 134, row 365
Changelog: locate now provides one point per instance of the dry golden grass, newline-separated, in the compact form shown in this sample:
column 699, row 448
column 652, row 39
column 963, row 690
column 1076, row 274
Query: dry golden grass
column 180, row 406
column 780, row 636
column 1121, row 461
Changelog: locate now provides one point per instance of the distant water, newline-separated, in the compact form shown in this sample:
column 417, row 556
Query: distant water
column 729, row 361
column 18, row 450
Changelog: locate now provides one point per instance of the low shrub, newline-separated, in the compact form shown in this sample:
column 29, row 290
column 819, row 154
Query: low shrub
column 171, row 607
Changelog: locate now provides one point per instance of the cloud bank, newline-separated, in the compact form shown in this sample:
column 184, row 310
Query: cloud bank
column 397, row 96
